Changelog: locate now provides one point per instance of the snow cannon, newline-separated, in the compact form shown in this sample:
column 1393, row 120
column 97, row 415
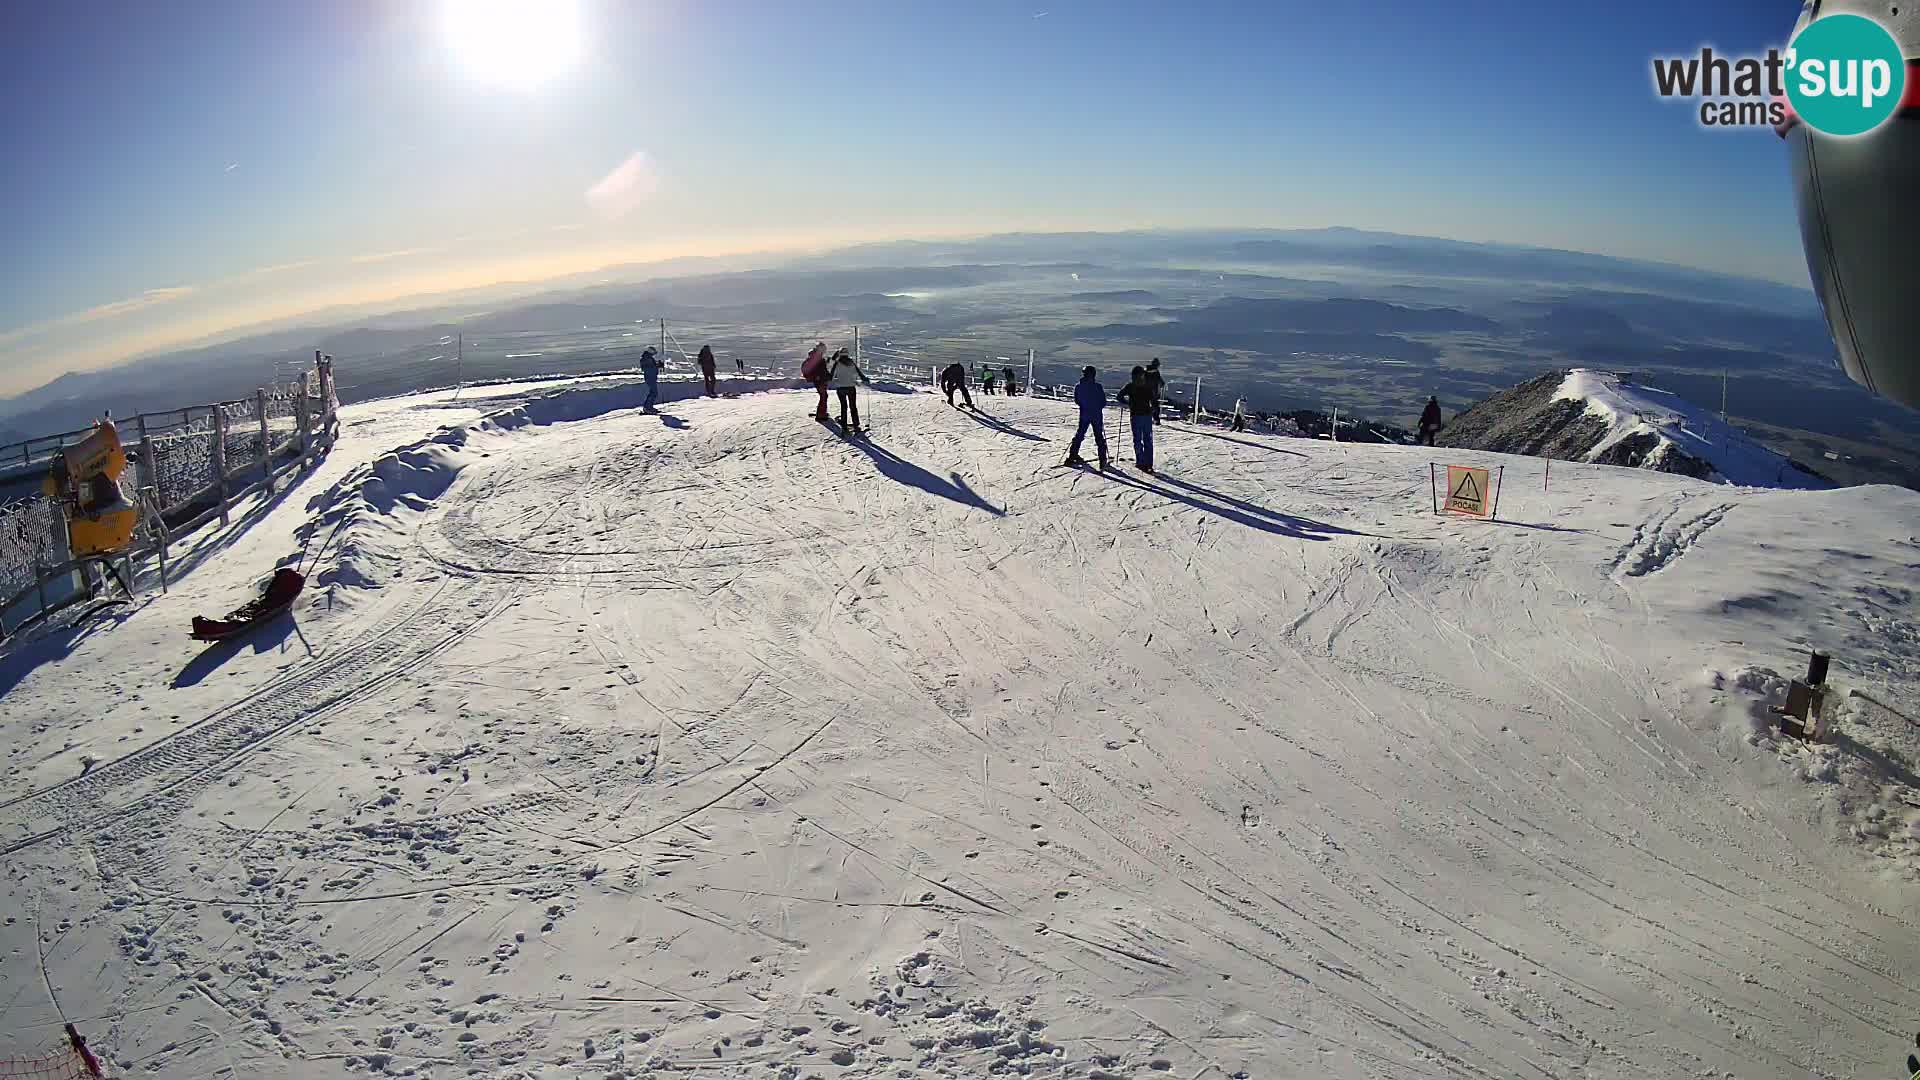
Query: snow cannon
column 86, row 478
column 1860, row 219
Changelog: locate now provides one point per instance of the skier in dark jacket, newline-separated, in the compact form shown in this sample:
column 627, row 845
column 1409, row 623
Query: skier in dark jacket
column 954, row 377
column 1157, row 385
column 1092, row 399
column 1012, row 387
column 706, row 369
column 1140, row 400
column 650, row 366
column 1430, row 421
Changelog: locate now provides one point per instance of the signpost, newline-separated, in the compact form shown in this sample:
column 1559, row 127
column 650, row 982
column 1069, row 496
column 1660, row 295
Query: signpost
column 1472, row 492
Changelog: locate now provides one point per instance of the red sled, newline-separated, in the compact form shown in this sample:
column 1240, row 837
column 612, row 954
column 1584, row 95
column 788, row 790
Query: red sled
column 281, row 591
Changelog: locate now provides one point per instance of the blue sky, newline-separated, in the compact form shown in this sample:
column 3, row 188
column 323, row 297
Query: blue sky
column 176, row 170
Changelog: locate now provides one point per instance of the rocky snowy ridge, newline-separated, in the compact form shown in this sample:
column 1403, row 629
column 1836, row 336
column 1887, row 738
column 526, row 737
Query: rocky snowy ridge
column 1606, row 419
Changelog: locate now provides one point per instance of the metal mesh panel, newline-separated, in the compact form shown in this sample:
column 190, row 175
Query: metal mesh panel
column 28, row 542
column 182, row 464
column 243, row 434
column 283, row 417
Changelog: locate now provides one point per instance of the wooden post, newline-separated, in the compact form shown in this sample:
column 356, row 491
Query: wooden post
column 266, row 446
column 149, row 473
column 304, row 414
column 327, row 415
column 159, row 533
column 220, row 459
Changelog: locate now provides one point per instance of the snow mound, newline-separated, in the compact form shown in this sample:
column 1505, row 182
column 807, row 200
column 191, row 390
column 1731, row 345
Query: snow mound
column 1866, row 789
column 376, row 509
column 1656, row 429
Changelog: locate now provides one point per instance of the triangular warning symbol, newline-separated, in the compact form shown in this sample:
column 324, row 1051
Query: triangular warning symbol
column 1467, row 489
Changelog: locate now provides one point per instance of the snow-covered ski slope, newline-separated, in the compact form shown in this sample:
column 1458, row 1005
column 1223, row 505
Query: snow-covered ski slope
column 712, row 744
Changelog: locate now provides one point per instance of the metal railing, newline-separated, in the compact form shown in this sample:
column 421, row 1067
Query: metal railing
column 185, row 467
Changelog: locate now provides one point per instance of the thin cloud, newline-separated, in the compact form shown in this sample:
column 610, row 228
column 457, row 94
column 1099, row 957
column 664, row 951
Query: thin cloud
column 115, row 310
column 132, row 304
column 383, row 256
column 232, row 166
column 626, row 188
column 281, row 268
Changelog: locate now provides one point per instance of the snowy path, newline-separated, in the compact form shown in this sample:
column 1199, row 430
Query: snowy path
column 715, row 742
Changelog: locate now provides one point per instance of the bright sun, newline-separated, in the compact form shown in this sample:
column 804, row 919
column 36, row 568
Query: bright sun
column 518, row 43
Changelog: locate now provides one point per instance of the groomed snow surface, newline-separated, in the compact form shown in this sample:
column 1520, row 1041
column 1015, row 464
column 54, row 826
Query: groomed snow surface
column 711, row 744
column 1677, row 423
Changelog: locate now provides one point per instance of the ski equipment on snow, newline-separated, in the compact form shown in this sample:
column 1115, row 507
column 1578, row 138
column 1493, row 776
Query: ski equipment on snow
column 278, row 596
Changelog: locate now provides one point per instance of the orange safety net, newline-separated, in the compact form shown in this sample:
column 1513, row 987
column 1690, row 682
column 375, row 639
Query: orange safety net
column 73, row 1062
column 65, row 1065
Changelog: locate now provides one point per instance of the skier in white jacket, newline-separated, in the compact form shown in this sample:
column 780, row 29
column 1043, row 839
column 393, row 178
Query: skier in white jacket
column 845, row 377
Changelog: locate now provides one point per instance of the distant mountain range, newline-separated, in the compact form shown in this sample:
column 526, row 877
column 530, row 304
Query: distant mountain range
column 1367, row 322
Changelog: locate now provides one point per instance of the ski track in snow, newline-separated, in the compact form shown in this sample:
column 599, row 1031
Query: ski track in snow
column 634, row 749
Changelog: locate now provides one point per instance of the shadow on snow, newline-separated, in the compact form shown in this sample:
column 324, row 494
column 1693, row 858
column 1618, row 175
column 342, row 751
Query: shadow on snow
column 906, row 472
column 1252, row 515
column 998, row 424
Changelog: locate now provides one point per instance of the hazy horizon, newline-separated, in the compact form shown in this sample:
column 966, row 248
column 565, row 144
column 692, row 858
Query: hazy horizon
column 190, row 171
column 341, row 308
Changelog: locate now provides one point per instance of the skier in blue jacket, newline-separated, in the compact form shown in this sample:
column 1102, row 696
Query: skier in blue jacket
column 1092, row 399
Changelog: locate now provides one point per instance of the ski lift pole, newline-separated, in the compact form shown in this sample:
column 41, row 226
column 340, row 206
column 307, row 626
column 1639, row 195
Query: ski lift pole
column 1029, row 372
column 1196, row 399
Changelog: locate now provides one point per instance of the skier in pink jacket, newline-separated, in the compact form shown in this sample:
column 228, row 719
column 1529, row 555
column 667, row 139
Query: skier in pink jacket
column 814, row 370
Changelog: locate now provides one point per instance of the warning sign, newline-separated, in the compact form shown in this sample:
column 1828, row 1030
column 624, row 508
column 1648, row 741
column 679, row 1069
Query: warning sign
column 1467, row 490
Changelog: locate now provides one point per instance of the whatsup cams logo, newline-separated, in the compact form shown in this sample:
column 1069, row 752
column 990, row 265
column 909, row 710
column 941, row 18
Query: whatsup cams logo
column 1841, row 75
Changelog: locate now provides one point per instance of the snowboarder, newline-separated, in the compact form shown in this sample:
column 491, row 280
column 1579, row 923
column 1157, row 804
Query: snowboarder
column 814, row 370
column 1141, row 400
column 1092, row 399
column 650, row 370
column 706, row 369
column 1430, row 421
column 1012, row 387
column 846, row 377
column 1156, row 385
column 986, row 383
column 954, row 377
